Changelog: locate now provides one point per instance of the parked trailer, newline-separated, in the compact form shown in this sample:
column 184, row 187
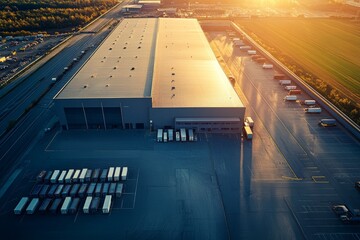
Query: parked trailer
column 177, row 136
column 249, row 121
column 284, row 82
column 110, row 175
column 65, row 206
column 159, row 135
column 327, row 122
column 251, row 52
column 31, row 208
column 88, row 175
column 62, row 176
column 171, row 135
column 112, row 188
column 103, row 175
column 119, row 189
column 117, row 174
column 55, row 205
column 74, row 205
column 191, row 135
column 55, row 176
column 44, row 190
column 87, row 204
column 248, row 133
column 165, row 137
column 291, row 87
column 74, row 190
column 48, row 176
column 105, row 189
column 98, row 189
column 66, row 190
column 94, row 205
column 295, row 92
column 312, row 110
column 51, row 192
column 95, row 175
column 247, row 47
column 76, row 176
column 21, row 205
column 183, row 134
column 107, row 204
column 124, row 173
column 82, row 175
column 45, row 205
column 91, row 189
column 309, row 102
column 267, row 66
column 279, row 76
column 36, row 190
column 290, row 98
column 40, row 177
column 69, row 176
column 59, row 190
column 82, row 190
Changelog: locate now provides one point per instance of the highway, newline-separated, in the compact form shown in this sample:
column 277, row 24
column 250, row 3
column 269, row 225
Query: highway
column 36, row 81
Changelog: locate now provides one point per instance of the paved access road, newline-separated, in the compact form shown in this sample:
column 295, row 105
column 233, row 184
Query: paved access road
column 293, row 169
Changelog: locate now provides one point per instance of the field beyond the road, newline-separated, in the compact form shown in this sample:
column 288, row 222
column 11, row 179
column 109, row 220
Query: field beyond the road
column 326, row 48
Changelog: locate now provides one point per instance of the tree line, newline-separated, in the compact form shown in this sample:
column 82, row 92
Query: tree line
column 22, row 17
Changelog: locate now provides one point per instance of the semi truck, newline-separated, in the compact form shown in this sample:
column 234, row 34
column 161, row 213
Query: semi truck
column 251, row 52
column 69, row 176
column 183, row 134
column 58, row 190
column 40, row 177
column 105, row 189
column 279, row 76
column 55, row 176
column 309, row 102
column 291, row 87
column 107, row 204
column 191, row 135
column 290, row 98
column 62, row 176
column 74, row 205
column 295, row 92
column 82, row 190
column 91, row 189
column 88, row 175
column 117, row 174
column 31, row 208
column 327, row 122
column 110, row 175
column 21, row 205
column 48, row 176
column 171, row 135
column 112, row 189
column 119, row 189
column 44, row 190
column 124, row 173
column 51, row 192
column 94, row 205
column 66, row 190
column 86, row 207
column 249, row 121
column 267, row 66
column 98, row 189
column 103, row 175
column 55, row 205
column 284, row 82
column 248, row 133
column 74, row 190
column 160, row 135
column 65, row 206
column 247, row 47
column 76, row 176
column 95, row 175
column 312, row 110
column 82, row 175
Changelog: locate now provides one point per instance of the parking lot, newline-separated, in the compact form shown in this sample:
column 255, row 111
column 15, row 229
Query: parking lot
column 323, row 161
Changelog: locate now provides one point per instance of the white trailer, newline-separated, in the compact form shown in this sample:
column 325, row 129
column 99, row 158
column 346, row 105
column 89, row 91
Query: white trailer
column 65, row 206
column 312, row 110
column 191, row 135
column 83, row 175
column 55, row 176
column 171, row 135
column 291, row 87
column 284, row 82
column 110, row 175
column 69, row 176
column 124, row 173
column 183, row 134
column 309, row 102
column 107, row 204
column 177, row 136
column 251, row 52
column 87, row 204
column 290, row 98
column 245, row 47
column 165, row 137
column 119, row 189
column 160, row 135
column 76, row 176
column 117, row 174
column 21, row 205
column 267, row 66
column 32, row 206
column 62, row 176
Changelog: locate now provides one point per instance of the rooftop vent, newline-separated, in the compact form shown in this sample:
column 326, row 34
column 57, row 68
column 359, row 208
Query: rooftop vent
column 173, row 74
column 85, row 86
column 110, row 48
column 114, row 67
column 107, row 85
column 139, row 47
column 132, row 69
column 172, row 88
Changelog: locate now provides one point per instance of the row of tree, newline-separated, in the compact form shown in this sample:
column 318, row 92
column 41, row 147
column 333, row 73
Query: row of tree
column 26, row 16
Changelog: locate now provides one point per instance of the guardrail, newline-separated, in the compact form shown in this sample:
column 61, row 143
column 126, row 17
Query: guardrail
column 348, row 123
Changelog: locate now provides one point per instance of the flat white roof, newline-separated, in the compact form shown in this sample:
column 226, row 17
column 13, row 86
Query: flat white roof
column 121, row 67
column 167, row 59
column 186, row 71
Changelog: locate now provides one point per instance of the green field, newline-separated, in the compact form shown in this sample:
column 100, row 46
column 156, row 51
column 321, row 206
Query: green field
column 328, row 49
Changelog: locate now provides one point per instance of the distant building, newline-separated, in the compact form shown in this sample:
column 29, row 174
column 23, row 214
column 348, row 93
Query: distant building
column 152, row 73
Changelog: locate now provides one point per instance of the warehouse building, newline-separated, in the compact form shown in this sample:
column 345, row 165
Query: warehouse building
column 151, row 73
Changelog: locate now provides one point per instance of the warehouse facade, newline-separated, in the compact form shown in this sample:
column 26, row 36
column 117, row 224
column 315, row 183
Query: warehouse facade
column 149, row 74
